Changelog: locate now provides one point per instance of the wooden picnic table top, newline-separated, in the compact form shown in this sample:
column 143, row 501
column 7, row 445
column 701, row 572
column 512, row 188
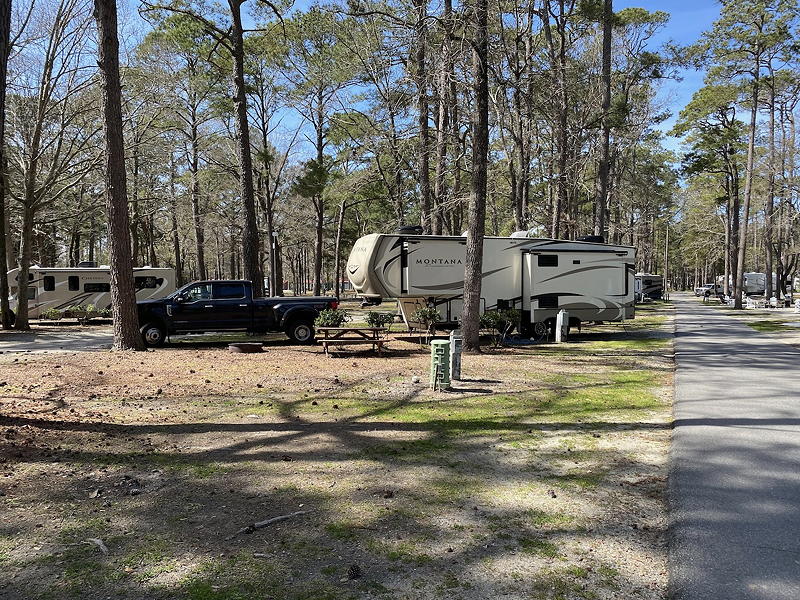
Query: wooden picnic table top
column 351, row 328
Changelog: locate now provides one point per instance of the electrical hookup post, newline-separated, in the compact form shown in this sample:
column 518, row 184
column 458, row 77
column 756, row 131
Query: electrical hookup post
column 562, row 326
column 440, row 364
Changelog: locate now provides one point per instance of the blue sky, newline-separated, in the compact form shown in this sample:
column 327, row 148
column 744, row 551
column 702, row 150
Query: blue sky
column 688, row 20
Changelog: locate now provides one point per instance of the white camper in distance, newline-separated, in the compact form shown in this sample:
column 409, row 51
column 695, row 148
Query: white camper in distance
column 649, row 286
column 60, row 288
column 593, row 281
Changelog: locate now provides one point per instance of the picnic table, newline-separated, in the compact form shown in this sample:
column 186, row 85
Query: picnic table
column 352, row 336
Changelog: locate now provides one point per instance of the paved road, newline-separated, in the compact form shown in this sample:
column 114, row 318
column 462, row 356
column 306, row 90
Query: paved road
column 735, row 462
column 66, row 339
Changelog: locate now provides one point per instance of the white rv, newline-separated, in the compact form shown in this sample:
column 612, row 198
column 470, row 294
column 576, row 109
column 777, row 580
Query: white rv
column 593, row 281
column 649, row 286
column 60, row 288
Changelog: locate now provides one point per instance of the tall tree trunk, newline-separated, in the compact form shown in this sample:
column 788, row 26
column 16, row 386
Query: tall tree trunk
column 338, row 249
column 748, row 186
column 250, row 243
column 194, row 192
column 123, row 295
column 473, row 270
column 5, row 29
column 421, row 49
column 601, row 197
column 769, row 208
column 443, row 121
column 319, row 200
column 176, row 240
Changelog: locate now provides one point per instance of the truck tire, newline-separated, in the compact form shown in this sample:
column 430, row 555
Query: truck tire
column 153, row 334
column 301, row 331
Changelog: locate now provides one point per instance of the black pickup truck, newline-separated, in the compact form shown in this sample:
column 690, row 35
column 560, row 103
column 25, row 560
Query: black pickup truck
column 228, row 306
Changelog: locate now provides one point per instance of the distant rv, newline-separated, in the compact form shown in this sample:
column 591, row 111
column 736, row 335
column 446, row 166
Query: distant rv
column 649, row 286
column 593, row 281
column 60, row 288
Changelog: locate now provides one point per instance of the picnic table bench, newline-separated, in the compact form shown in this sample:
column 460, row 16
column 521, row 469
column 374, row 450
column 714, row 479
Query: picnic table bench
column 351, row 336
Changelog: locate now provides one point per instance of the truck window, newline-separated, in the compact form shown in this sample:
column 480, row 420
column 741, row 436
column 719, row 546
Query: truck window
column 548, row 260
column 49, row 283
column 96, row 287
column 73, row 282
column 228, row 291
column 141, row 283
column 201, row 291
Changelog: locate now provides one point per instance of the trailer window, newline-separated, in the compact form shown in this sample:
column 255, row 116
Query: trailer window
column 97, row 287
column 228, row 291
column 145, row 282
column 548, row 260
column 548, row 301
column 31, row 293
column 49, row 283
column 73, row 282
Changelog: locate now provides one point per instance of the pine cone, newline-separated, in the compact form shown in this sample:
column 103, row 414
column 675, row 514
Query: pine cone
column 354, row 571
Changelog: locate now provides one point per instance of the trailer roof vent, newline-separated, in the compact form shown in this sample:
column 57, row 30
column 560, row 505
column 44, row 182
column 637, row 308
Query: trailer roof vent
column 410, row 229
column 595, row 239
column 87, row 264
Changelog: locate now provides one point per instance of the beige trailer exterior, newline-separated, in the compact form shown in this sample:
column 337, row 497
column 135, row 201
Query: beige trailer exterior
column 593, row 281
column 60, row 288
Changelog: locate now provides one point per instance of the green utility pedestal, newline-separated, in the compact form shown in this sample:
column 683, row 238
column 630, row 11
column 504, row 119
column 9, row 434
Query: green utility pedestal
column 440, row 364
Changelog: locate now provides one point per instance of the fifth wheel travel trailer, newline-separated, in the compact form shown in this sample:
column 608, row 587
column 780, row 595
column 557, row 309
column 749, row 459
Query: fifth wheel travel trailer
column 593, row 281
column 649, row 286
column 60, row 288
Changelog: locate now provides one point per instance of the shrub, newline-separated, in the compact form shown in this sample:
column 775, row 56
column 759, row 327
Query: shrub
column 501, row 322
column 427, row 315
column 332, row 317
column 52, row 313
column 379, row 319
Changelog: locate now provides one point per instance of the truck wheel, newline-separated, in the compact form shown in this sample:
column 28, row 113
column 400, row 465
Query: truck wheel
column 153, row 335
column 301, row 331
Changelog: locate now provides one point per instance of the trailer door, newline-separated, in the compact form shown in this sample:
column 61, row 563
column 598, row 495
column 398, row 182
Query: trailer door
column 527, row 286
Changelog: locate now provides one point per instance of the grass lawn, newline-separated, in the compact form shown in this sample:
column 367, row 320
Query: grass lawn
column 541, row 475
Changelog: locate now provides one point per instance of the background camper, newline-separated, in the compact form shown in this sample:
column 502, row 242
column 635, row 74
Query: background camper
column 593, row 281
column 649, row 286
column 61, row 288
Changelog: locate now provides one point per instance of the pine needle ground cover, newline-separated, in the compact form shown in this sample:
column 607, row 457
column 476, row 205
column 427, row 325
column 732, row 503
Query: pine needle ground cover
column 541, row 475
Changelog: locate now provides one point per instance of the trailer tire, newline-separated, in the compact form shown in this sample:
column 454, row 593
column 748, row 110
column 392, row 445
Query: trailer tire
column 300, row 331
column 153, row 334
column 536, row 331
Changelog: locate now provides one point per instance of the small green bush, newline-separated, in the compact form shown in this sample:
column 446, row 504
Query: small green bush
column 332, row 317
column 501, row 322
column 379, row 319
column 52, row 314
column 427, row 315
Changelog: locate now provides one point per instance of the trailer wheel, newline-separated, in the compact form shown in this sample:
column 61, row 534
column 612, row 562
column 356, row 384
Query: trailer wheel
column 537, row 331
column 301, row 331
column 153, row 335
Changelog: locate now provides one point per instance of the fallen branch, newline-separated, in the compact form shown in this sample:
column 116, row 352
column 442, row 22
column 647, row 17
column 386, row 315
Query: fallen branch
column 261, row 524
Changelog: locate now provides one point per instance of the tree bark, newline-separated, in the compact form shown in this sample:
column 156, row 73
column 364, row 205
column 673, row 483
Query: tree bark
column 423, row 117
column 748, row 186
column 5, row 29
column 250, row 243
column 123, row 296
column 601, row 197
column 473, row 270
